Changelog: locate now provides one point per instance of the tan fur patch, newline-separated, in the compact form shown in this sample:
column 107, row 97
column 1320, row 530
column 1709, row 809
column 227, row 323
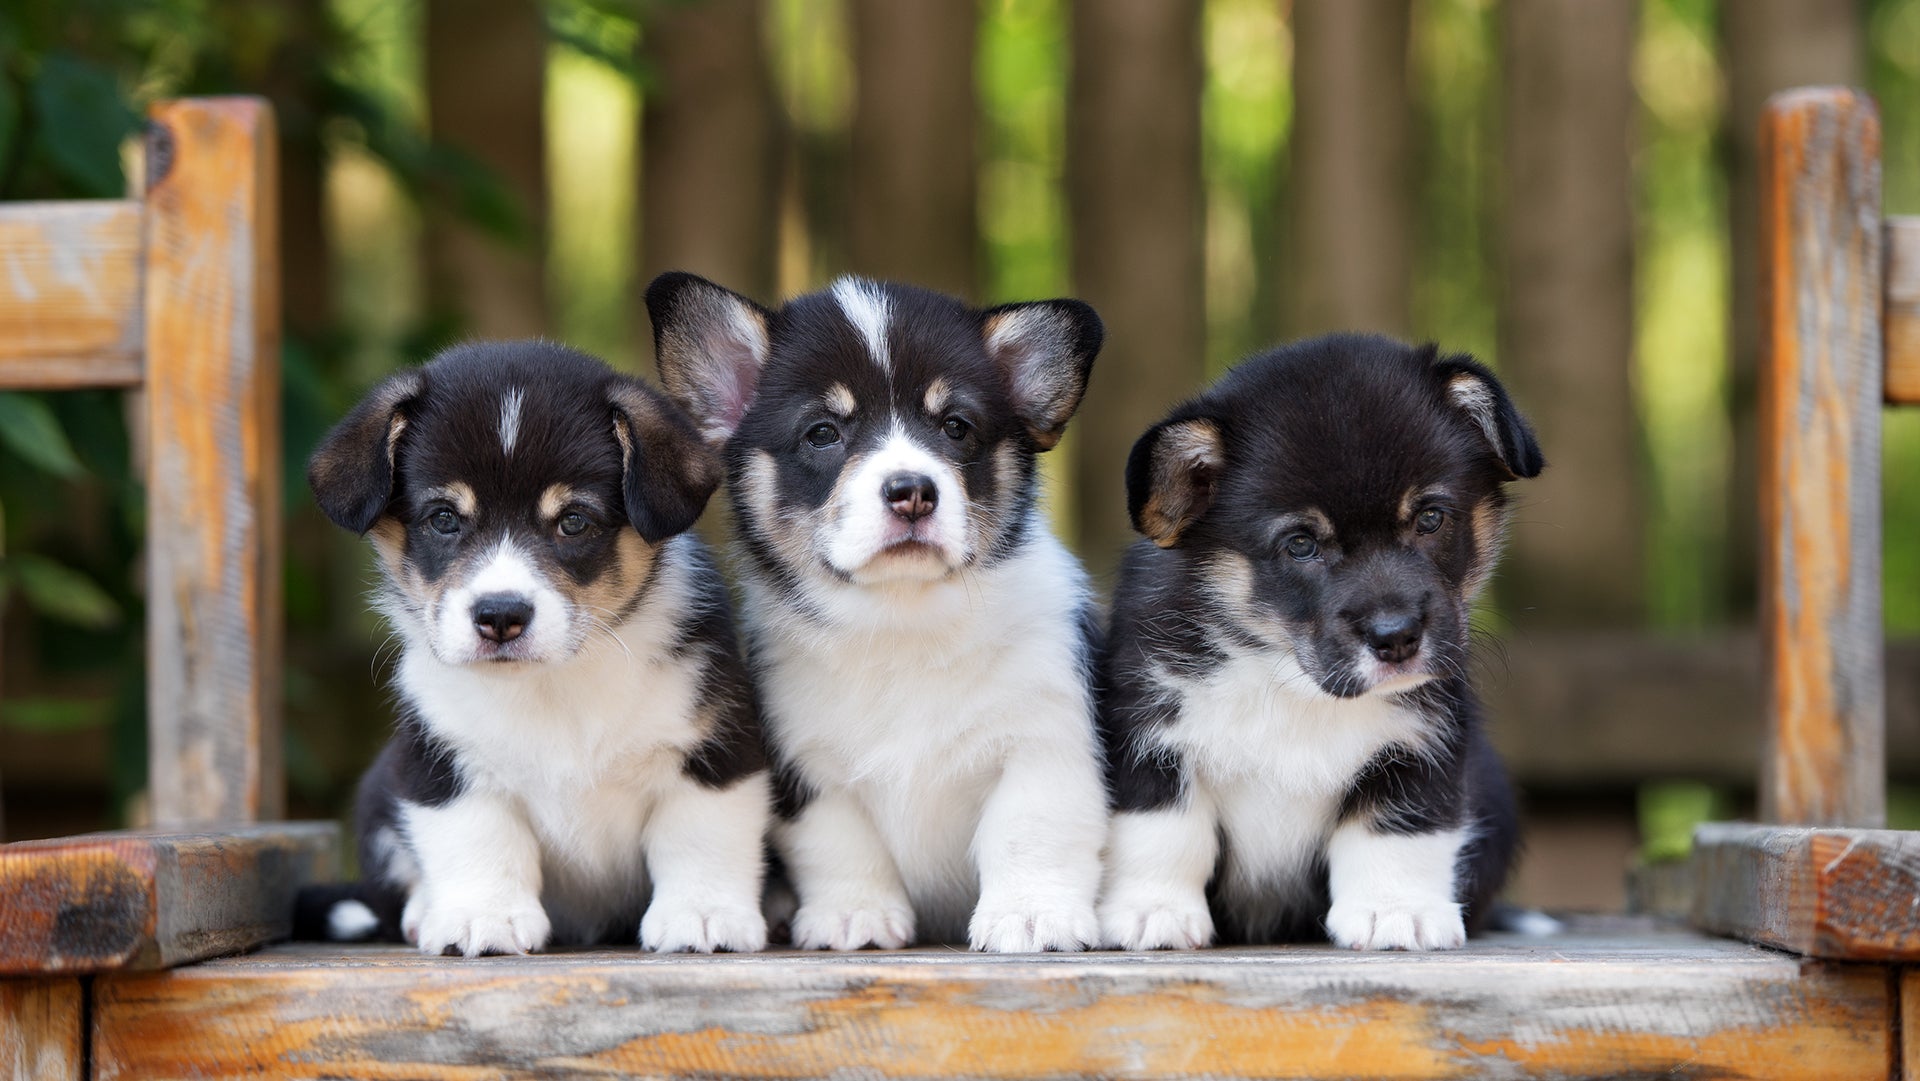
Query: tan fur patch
column 839, row 400
column 938, row 395
column 458, row 493
column 557, row 497
column 1186, row 458
column 1489, row 536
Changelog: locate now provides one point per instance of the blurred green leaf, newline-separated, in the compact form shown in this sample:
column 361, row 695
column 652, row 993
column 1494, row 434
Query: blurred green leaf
column 9, row 116
column 29, row 429
column 55, row 714
column 1669, row 810
column 62, row 593
column 82, row 119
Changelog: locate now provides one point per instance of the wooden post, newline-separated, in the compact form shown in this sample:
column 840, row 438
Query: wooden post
column 213, row 473
column 1770, row 46
column 913, row 187
column 1820, row 394
column 1134, row 196
column 1350, row 265
column 710, row 156
column 486, row 66
column 1566, row 324
column 42, row 1036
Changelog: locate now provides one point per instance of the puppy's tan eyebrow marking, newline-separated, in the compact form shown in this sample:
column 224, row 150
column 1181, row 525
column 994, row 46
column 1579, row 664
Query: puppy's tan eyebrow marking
column 1307, row 520
column 555, row 499
column 1411, row 502
column 839, row 400
column 938, row 394
column 458, row 493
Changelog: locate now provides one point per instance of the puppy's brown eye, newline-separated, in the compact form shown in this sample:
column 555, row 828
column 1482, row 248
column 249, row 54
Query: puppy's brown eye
column 823, row 435
column 444, row 521
column 1429, row 520
column 1302, row 547
column 572, row 524
column 956, row 428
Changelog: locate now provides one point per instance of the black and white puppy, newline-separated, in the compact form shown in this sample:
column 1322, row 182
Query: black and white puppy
column 1289, row 727
column 578, row 751
column 919, row 636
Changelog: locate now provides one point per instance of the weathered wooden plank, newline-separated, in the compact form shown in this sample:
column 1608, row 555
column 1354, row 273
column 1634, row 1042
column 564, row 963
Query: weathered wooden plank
column 1903, row 310
column 1841, row 894
column 139, row 900
column 1821, row 386
column 1570, row 1007
column 213, row 474
column 69, row 294
column 1910, row 1023
column 42, row 1030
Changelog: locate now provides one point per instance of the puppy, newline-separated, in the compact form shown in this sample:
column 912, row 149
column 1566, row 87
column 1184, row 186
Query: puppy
column 921, row 640
column 1285, row 707
column 578, row 741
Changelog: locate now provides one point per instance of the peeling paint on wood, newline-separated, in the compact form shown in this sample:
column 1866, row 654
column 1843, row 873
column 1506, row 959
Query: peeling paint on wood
column 41, row 1037
column 213, row 491
column 150, row 900
column 1575, row 1006
column 1850, row 895
column 70, row 313
column 1903, row 310
column 1821, row 386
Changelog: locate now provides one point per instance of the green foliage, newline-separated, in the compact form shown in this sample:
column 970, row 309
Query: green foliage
column 29, row 429
column 1669, row 810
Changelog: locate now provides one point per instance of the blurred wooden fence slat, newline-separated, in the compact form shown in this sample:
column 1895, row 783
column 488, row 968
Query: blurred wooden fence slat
column 1767, row 46
column 70, row 294
column 1350, row 260
column 486, row 69
column 1820, row 400
column 1566, row 321
column 912, row 215
column 1134, row 199
column 710, row 154
column 1903, row 310
column 42, row 1030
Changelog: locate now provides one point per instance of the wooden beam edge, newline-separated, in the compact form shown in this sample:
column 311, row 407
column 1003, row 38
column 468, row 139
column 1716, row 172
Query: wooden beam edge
column 1836, row 894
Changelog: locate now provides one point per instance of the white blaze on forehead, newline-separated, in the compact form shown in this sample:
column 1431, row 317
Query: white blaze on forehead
column 868, row 309
column 510, row 419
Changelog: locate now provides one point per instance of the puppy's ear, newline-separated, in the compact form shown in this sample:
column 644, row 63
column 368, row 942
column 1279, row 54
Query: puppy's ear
column 667, row 471
column 1474, row 391
column 352, row 472
column 1046, row 347
column 711, row 344
column 1171, row 476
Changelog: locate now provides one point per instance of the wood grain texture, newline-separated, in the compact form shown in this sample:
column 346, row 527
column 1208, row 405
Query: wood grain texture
column 42, row 1030
column 213, row 474
column 1851, row 895
column 150, row 900
column 1821, row 386
column 1569, row 1007
column 70, row 312
column 1903, row 310
column 1910, row 1024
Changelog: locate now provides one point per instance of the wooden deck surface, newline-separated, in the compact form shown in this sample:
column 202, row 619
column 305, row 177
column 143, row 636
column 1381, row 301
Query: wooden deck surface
column 1580, row 1005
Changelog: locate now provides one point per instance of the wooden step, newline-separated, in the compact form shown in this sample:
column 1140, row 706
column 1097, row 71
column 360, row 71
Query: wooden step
column 1586, row 1004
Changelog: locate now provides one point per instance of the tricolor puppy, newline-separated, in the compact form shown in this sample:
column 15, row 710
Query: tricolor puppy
column 919, row 637
column 1289, row 729
column 578, row 753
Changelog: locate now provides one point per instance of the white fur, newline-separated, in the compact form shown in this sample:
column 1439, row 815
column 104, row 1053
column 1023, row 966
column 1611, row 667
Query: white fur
column 946, row 728
column 1157, row 865
column 865, row 525
column 510, row 405
column 549, row 634
column 1393, row 891
column 575, row 796
column 869, row 310
column 351, row 921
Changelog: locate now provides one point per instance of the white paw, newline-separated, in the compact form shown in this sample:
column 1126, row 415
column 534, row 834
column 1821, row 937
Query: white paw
column 885, row 924
column 512, row 927
column 1405, row 925
column 678, row 926
column 1015, row 928
column 1162, row 923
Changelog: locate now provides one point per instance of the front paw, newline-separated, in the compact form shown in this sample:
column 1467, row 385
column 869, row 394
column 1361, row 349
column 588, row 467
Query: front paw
column 1030, row 928
column 678, row 926
column 1159, row 923
column 1399, row 925
column 887, row 925
column 473, row 930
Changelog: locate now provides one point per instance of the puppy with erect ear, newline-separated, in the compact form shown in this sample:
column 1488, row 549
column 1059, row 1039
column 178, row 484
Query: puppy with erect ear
column 1293, row 748
column 578, row 754
column 921, row 640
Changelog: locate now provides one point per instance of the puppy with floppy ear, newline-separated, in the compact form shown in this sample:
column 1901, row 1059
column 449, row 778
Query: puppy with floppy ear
column 578, row 754
column 1293, row 748
column 922, row 641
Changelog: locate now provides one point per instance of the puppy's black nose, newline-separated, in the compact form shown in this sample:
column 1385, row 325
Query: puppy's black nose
column 911, row 495
column 1393, row 636
column 501, row 617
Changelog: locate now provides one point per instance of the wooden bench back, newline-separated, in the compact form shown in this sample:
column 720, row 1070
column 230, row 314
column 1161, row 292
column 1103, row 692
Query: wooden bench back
column 177, row 294
column 1840, row 318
